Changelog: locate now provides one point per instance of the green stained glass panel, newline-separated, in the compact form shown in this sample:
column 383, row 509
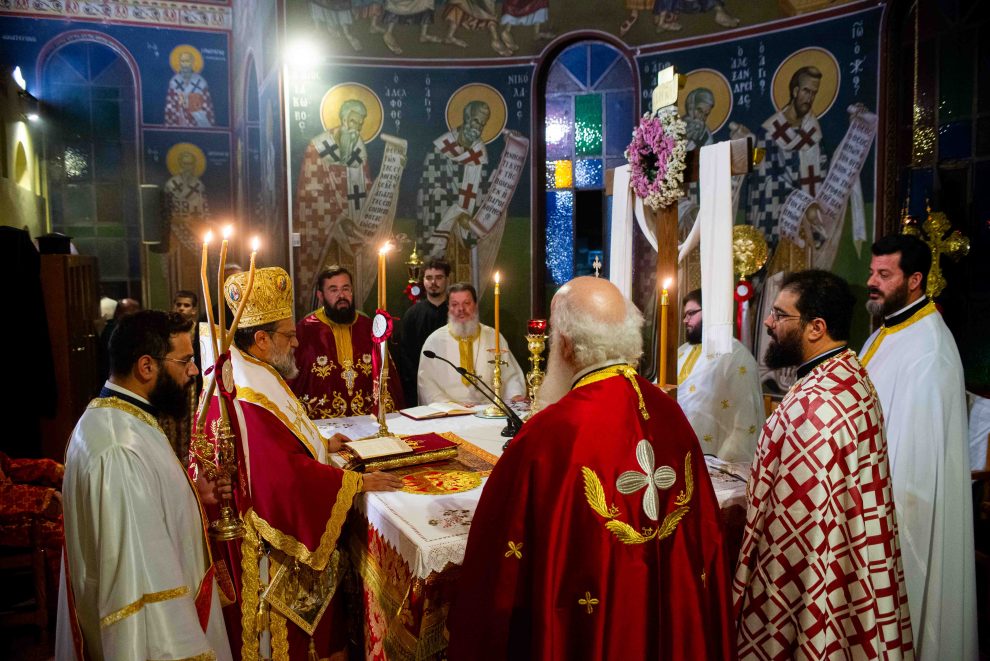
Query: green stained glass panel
column 588, row 125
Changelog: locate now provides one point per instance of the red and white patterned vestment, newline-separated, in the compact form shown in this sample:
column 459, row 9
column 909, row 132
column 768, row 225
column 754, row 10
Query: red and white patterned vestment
column 819, row 574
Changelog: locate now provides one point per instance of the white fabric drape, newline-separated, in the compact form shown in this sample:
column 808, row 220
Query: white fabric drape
column 715, row 219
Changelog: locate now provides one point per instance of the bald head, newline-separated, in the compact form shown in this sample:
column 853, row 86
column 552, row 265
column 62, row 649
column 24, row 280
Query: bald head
column 126, row 307
column 596, row 299
column 595, row 323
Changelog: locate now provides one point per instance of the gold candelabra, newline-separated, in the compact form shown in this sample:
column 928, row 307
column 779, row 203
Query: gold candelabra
column 536, row 342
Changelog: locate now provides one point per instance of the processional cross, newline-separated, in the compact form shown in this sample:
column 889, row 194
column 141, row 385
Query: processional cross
column 665, row 94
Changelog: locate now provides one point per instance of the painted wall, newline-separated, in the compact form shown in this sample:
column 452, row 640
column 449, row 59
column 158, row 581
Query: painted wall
column 22, row 201
column 60, row 54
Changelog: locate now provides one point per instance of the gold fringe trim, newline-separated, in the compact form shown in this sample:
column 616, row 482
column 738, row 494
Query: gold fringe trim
column 134, row 608
column 317, row 558
column 245, row 394
column 280, row 636
column 627, row 371
column 926, row 309
column 126, row 407
column 250, row 584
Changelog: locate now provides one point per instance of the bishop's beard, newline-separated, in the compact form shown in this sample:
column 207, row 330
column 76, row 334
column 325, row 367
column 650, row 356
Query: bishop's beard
column 557, row 380
column 285, row 363
column 693, row 335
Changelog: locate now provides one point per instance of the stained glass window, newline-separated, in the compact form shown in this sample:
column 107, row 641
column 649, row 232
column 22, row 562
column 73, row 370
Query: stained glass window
column 590, row 111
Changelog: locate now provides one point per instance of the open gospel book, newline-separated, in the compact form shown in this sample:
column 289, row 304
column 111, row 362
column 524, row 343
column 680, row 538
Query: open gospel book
column 439, row 410
column 393, row 452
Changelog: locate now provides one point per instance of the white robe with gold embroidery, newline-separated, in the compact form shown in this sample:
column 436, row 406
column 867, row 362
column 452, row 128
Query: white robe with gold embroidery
column 918, row 376
column 135, row 544
column 438, row 382
column 721, row 398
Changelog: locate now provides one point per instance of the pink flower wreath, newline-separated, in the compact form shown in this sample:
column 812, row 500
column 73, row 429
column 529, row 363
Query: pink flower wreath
column 656, row 156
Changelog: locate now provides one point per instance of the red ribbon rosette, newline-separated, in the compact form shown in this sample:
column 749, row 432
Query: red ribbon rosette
column 381, row 329
column 414, row 291
column 742, row 293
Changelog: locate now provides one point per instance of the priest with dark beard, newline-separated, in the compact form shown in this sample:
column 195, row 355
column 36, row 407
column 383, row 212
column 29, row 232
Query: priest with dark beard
column 597, row 535
column 337, row 375
column 820, row 572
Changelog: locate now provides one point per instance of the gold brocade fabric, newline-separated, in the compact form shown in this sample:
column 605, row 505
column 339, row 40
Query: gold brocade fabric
column 134, row 608
column 341, row 337
column 318, row 557
column 465, row 346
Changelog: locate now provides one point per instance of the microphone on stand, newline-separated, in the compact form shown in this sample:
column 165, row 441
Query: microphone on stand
column 513, row 421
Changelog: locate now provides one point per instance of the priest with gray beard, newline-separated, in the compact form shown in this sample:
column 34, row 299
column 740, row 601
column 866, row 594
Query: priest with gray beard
column 466, row 342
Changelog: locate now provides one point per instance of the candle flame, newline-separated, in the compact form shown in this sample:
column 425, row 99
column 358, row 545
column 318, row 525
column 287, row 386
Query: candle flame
column 208, row 237
column 254, row 244
column 666, row 283
column 498, row 277
column 227, row 231
column 386, row 247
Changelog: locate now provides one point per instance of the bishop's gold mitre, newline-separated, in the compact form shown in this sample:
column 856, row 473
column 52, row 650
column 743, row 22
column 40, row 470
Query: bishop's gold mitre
column 270, row 299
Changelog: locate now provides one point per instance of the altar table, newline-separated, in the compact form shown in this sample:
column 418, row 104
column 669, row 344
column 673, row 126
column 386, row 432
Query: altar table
column 407, row 548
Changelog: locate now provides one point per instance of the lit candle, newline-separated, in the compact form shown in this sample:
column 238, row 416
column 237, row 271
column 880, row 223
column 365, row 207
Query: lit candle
column 244, row 297
column 223, row 265
column 206, row 292
column 381, row 274
column 664, row 301
column 201, row 414
column 498, row 332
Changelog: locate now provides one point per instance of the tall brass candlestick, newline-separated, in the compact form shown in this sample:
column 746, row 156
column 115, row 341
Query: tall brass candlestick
column 664, row 304
column 498, row 326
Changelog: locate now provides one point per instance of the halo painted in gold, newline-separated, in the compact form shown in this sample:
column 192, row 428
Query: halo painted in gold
column 749, row 250
column 825, row 62
column 478, row 92
column 173, row 58
column 180, row 148
column 717, row 84
column 335, row 97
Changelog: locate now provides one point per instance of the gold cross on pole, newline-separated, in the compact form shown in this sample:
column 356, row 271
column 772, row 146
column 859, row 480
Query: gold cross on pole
column 933, row 232
column 597, row 265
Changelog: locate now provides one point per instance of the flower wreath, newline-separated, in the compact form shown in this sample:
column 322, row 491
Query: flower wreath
column 656, row 156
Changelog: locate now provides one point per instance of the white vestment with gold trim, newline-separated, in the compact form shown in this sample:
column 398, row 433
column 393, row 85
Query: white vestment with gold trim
column 918, row 375
column 721, row 398
column 135, row 544
column 438, row 382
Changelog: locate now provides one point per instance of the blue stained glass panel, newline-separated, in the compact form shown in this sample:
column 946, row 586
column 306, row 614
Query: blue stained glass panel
column 551, row 170
column 560, row 236
column 602, row 57
column 575, row 59
column 955, row 140
column 619, row 122
column 589, row 173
